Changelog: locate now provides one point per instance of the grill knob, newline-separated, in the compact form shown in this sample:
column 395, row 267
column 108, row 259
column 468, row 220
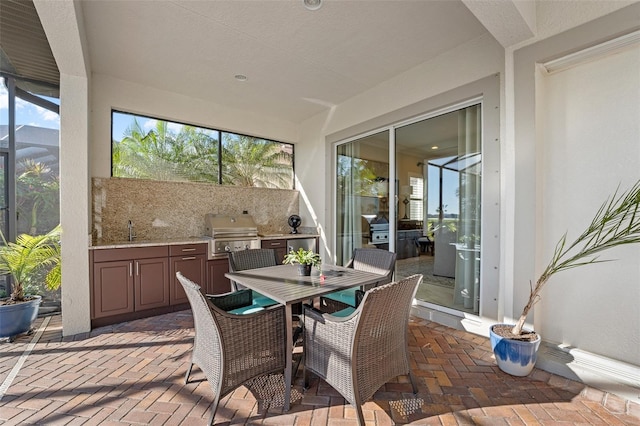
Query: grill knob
column 227, row 248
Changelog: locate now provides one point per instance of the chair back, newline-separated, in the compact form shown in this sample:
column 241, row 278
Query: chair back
column 250, row 259
column 381, row 334
column 207, row 342
column 374, row 260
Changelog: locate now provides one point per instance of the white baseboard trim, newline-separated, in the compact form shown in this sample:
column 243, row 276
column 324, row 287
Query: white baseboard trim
column 593, row 370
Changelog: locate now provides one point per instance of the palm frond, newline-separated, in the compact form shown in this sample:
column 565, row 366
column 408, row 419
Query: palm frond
column 615, row 223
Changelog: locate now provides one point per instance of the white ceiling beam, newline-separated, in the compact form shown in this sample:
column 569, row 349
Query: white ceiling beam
column 509, row 21
column 63, row 24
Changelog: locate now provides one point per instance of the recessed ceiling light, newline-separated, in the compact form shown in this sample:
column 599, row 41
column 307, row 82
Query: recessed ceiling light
column 312, row 4
column 434, row 147
column 240, row 77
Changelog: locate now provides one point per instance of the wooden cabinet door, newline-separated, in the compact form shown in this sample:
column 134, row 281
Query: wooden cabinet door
column 217, row 283
column 112, row 288
column 151, row 283
column 280, row 246
column 192, row 267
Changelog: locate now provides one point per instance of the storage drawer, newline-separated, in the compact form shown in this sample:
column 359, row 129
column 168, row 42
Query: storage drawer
column 110, row 255
column 274, row 244
column 186, row 249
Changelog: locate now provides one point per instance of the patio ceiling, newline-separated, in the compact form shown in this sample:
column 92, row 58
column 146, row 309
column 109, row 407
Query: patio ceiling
column 24, row 49
column 297, row 62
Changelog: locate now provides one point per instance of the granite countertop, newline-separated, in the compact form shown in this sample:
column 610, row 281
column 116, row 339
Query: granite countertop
column 185, row 240
column 286, row 236
column 148, row 243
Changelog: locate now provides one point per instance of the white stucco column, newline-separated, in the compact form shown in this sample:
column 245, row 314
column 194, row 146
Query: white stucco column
column 62, row 23
column 74, row 203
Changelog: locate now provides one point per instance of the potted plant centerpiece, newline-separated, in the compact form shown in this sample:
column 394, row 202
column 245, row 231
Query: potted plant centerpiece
column 617, row 222
column 29, row 259
column 305, row 260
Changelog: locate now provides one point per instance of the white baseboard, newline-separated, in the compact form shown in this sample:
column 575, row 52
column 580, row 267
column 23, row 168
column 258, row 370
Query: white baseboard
column 593, row 370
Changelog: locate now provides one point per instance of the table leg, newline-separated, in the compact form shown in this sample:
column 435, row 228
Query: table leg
column 288, row 356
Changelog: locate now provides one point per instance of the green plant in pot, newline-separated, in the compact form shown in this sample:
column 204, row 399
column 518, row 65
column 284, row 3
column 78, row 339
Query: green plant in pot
column 616, row 223
column 29, row 259
column 306, row 259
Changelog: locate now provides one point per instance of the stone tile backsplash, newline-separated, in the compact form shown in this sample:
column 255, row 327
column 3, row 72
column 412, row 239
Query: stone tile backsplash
column 161, row 210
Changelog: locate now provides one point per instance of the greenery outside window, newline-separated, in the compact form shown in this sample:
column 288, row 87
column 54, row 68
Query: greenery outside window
column 29, row 168
column 148, row 148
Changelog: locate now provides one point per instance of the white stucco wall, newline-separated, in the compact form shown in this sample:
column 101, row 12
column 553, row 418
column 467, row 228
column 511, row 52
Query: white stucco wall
column 565, row 124
column 62, row 21
column 74, row 203
column 590, row 144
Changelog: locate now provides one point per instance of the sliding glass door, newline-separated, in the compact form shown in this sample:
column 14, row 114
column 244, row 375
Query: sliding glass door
column 362, row 195
column 433, row 221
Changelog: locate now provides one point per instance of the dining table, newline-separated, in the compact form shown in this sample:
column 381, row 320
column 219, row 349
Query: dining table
column 283, row 284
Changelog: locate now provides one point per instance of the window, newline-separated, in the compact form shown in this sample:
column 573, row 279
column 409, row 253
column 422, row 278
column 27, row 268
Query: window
column 29, row 167
column 416, row 199
column 149, row 148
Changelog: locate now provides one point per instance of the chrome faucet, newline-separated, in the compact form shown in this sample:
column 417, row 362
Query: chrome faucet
column 132, row 235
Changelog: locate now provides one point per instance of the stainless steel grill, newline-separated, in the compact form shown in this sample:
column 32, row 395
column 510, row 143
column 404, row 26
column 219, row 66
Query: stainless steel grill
column 226, row 233
column 379, row 233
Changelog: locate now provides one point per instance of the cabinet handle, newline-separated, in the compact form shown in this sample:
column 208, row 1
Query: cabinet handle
column 130, row 269
column 189, row 258
column 137, row 268
column 188, row 249
column 275, row 244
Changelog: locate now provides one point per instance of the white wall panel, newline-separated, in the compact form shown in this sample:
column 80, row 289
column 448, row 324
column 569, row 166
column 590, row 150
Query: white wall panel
column 589, row 121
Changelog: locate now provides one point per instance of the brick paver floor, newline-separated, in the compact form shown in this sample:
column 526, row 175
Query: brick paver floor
column 133, row 373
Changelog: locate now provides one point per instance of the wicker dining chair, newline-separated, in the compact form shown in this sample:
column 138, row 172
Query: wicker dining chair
column 251, row 259
column 358, row 354
column 366, row 259
column 233, row 349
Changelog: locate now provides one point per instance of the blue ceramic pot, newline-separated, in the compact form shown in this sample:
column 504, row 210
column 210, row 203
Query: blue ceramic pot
column 514, row 357
column 17, row 318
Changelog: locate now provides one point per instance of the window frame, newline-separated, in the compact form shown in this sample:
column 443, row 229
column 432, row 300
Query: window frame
column 219, row 133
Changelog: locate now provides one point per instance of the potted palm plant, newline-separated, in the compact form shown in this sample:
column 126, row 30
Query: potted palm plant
column 305, row 260
column 28, row 259
column 616, row 223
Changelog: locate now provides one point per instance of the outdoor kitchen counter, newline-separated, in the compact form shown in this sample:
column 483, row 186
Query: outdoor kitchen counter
column 187, row 240
column 118, row 295
column 149, row 243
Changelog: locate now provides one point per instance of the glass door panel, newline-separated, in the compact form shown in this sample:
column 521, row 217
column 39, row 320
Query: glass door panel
column 443, row 244
column 362, row 195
